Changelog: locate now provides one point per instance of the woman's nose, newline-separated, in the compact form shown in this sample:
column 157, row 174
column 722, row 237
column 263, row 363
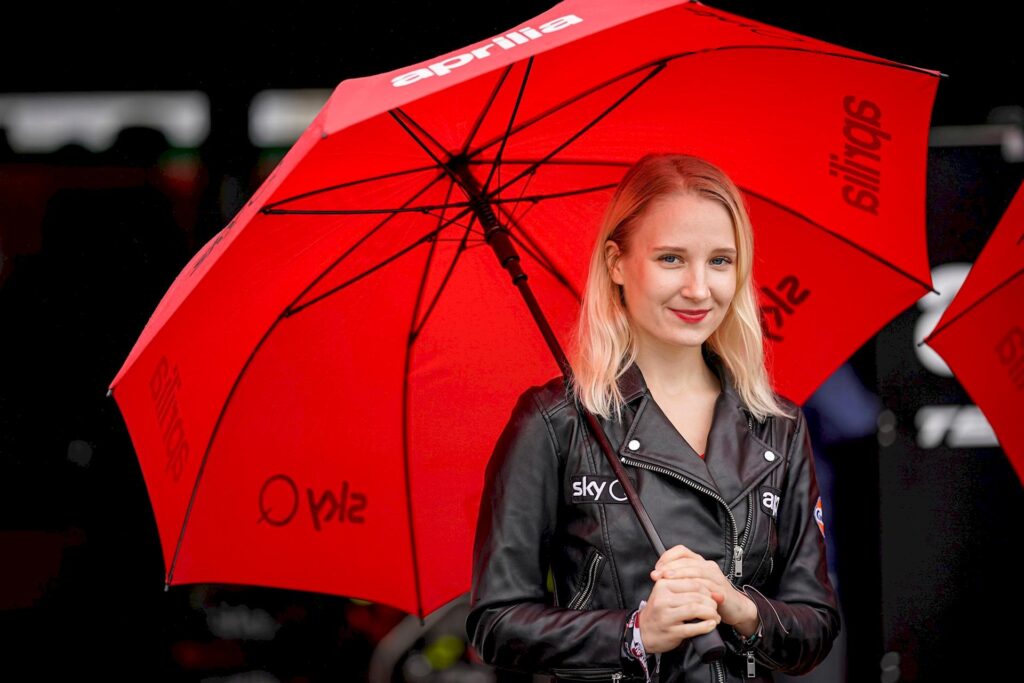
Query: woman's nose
column 695, row 284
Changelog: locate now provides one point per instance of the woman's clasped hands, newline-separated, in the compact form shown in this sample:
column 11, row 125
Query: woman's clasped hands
column 691, row 596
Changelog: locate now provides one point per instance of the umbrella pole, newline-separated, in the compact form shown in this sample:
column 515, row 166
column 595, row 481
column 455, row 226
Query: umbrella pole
column 709, row 646
column 497, row 236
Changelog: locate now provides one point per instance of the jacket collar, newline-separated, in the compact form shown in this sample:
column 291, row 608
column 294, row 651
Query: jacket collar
column 735, row 459
column 632, row 384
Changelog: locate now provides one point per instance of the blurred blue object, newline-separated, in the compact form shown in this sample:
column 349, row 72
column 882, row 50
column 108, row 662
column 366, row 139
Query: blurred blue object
column 842, row 408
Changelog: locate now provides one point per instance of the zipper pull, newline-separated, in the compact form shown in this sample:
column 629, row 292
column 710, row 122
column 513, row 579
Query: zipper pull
column 617, row 676
column 750, row 665
column 737, row 556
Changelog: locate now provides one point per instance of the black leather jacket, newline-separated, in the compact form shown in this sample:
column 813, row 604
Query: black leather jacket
column 550, row 501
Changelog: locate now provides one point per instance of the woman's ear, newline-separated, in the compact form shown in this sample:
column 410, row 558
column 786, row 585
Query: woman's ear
column 612, row 255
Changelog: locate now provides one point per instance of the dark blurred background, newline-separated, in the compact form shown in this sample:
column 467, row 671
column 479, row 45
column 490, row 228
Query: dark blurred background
column 130, row 134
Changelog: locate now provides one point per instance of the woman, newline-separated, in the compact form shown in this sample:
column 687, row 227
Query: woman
column 669, row 357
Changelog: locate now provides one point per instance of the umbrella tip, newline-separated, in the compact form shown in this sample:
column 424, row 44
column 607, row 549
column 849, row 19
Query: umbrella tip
column 110, row 391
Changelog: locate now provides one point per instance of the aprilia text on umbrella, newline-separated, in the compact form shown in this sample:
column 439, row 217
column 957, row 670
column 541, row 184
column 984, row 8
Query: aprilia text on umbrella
column 506, row 42
column 862, row 130
column 321, row 509
column 163, row 389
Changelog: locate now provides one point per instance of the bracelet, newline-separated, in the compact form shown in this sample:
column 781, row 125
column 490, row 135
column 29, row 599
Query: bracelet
column 745, row 640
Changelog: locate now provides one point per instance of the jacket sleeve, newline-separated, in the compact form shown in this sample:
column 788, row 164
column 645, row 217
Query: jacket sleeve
column 800, row 620
column 510, row 623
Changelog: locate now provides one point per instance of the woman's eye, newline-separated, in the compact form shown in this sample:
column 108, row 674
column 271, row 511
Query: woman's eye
column 724, row 260
column 668, row 256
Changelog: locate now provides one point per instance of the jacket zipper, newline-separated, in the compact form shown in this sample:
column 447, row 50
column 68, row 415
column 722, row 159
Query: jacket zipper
column 719, row 669
column 583, row 597
column 746, row 534
column 736, row 564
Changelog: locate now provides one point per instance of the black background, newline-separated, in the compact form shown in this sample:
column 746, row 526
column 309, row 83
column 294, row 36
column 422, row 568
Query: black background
column 235, row 45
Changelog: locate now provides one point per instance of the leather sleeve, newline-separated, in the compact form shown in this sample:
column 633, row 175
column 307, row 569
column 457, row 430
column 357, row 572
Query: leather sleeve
column 509, row 623
column 800, row 620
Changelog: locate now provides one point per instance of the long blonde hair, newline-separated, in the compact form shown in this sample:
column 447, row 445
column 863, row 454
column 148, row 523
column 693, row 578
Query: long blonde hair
column 604, row 344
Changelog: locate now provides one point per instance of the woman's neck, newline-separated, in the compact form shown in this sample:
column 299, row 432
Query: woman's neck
column 680, row 373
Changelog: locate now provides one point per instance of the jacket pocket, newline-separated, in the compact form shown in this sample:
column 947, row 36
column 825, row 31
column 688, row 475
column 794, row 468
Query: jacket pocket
column 588, row 675
column 588, row 580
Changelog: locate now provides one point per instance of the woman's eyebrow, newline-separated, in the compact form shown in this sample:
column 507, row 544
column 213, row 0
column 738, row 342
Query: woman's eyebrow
column 669, row 247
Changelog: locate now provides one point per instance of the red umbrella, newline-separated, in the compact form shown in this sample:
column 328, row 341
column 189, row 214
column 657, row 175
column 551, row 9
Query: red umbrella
column 315, row 398
column 981, row 334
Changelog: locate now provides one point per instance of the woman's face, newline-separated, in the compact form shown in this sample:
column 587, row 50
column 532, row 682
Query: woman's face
column 681, row 258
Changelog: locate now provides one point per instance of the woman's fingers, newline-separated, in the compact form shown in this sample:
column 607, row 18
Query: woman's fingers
column 691, row 607
column 692, row 629
column 686, row 567
column 687, row 585
column 674, row 553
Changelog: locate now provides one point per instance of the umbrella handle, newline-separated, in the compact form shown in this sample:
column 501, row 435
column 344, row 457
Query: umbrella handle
column 709, row 646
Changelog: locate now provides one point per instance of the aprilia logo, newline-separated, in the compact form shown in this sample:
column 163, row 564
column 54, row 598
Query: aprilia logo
column 861, row 161
column 590, row 489
column 164, row 384
column 506, row 42
column 770, row 501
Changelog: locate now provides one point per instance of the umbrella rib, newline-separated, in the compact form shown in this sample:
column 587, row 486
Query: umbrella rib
column 428, row 237
column 399, row 115
column 539, row 256
column 553, row 162
column 522, row 193
column 430, row 208
column 351, row 183
column 841, row 238
column 441, row 286
column 405, row 414
column 590, row 124
column 971, row 307
column 552, row 195
column 425, row 133
column 487, row 107
column 664, row 61
column 364, row 212
column 413, row 332
column 508, row 128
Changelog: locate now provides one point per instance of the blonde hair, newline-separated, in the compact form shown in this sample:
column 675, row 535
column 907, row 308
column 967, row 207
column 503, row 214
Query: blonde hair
column 604, row 343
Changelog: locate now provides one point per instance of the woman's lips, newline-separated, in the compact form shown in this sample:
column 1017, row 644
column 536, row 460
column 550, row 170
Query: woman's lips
column 690, row 316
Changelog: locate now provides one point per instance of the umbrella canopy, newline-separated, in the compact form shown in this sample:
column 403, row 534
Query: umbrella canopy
column 315, row 398
column 981, row 334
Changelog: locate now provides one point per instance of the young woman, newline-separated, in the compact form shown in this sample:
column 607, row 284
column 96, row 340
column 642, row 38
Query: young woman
column 669, row 356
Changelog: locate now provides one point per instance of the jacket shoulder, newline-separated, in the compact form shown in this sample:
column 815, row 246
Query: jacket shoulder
column 551, row 396
column 779, row 432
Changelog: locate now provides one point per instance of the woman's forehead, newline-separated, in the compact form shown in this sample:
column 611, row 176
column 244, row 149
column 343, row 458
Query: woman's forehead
column 685, row 223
